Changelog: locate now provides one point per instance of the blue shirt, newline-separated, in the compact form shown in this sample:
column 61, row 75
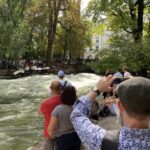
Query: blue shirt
column 118, row 75
column 92, row 135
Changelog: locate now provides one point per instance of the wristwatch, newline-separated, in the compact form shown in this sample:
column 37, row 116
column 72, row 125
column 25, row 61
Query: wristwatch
column 96, row 90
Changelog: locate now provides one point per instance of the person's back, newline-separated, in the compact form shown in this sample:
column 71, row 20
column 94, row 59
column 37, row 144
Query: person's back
column 126, row 73
column 118, row 74
column 63, row 112
column 47, row 105
column 46, row 108
column 137, row 139
column 60, row 125
column 64, row 83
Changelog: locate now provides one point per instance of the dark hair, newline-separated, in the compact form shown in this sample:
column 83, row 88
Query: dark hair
column 105, row 94
column 125, row 68
column 118, row 69
column 61, row 77
column 68, row 96
column 118, row 81
column 107, row 72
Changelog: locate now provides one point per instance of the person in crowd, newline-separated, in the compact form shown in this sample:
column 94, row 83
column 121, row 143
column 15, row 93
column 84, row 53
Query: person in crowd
column 95, row 110
column 60, row 125
column 64, row 83
column 110, row 102
column 133, row 103
column 118, row 73
column 46, row 107
column 108, row 72
column 110, row 97
column 126, row 72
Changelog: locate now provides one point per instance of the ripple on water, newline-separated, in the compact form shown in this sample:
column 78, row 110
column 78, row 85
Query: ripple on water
column 19, row 100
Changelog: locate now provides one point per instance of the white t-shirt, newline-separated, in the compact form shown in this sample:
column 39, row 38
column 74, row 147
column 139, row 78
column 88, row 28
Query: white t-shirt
column 127, row 74
column 64, row 81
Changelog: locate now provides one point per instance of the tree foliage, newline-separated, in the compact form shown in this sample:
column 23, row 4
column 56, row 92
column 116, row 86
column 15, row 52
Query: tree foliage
column 128, row 21
column 43, row 29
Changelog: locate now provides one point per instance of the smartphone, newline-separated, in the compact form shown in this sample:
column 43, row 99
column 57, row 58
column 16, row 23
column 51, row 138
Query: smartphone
column 118, row 81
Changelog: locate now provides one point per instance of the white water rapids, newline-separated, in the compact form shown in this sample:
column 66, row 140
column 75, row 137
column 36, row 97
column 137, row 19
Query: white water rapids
column 20, row 125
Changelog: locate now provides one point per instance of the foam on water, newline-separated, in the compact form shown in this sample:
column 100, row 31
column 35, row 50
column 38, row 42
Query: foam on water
column 19, row 100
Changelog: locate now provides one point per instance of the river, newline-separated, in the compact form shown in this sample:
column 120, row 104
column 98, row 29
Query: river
column 20, row 125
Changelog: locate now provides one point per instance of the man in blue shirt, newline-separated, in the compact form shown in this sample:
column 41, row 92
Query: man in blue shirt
column 134, row 105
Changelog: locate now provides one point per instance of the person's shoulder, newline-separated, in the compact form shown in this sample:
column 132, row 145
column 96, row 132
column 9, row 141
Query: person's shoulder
column 55, row 98
column 46, row 100
column 62, row 81
column 68, row 83
column 52, row 100
column 45, row 104
column 59, row 108
column 127, row 74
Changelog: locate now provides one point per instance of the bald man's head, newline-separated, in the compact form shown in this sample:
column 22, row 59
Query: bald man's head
column 55, row 86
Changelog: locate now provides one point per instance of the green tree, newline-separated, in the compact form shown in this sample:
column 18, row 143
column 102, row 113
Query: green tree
column 13, row 28
column 127, row 20
column 32, row 26
column 74, row 30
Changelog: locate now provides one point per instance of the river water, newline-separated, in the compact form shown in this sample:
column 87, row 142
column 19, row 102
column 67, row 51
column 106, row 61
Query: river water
column 20, row 125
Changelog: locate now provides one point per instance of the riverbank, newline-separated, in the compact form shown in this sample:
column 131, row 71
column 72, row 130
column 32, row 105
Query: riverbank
column 5, row 74
column 74, row 68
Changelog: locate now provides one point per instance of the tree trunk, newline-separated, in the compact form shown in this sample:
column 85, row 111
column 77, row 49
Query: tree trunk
column 65, row 47
column 139, row 32
column 54, row 8
column 139, row 36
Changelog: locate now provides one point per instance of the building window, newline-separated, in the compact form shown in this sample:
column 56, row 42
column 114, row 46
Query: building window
column 97, row 40
column 97, row 47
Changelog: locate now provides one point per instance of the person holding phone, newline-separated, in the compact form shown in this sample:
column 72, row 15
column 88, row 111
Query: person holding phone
column 133, row 104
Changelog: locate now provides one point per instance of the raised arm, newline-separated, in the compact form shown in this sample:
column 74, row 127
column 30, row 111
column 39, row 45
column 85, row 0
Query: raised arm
column 91, row 135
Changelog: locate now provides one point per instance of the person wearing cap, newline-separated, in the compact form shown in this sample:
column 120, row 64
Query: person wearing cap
column 63, row 82
column 46, row 107
column 133, row 103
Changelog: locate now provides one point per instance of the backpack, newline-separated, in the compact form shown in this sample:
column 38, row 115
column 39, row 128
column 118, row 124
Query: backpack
column 111, row 140
column 63, row 86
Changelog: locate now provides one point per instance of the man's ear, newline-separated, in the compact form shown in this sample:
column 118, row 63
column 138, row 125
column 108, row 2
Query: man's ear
column 120, row 106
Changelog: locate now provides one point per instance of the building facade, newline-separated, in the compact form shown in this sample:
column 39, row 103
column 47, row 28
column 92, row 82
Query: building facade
column 99, row 42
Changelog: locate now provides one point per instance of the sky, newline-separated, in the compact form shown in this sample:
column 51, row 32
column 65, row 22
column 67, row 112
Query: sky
column 84, row 4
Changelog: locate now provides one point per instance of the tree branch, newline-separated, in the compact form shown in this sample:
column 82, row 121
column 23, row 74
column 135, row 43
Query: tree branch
column 63, row 26
column 58, row 35
column 131, row 32
column 146, row 4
